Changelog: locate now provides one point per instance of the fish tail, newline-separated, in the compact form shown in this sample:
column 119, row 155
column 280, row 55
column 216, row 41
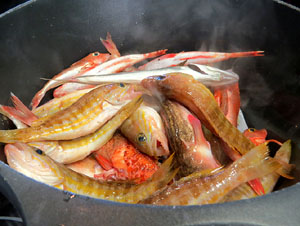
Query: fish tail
column 159, row 179
column 12, row 136
column 246, row 54
column 28, row 116
column 255, row 164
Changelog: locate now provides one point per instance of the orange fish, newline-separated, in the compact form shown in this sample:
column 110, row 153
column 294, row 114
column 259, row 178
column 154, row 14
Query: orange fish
column 123, row 162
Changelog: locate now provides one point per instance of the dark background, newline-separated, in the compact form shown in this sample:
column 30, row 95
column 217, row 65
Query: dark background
column 8, row 4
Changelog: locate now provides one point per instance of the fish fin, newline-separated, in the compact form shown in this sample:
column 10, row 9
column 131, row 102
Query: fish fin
column 285, row 169
column 110, row 46
column 199, row 137
column 104, row 162
column 257, row 186
column 159, row 179
column 28, row 116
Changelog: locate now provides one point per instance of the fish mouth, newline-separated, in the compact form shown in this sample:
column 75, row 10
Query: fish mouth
column 161, row 148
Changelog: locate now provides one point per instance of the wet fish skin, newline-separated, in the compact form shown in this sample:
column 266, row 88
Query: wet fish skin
column 206, row 190
column 192, row 150
column 195, row 96
column 69, row 151
column 244, row 191
column 79, row 119
column 41, row 168
column 145, row 129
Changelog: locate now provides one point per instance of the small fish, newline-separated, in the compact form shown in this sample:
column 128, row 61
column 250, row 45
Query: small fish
column 123, row 162
column 244, row 191
column 173, row 59
column 145, row 129
column 192, row 150
column 207, row 190
column 193, row 94
column 81, row 66
column 41, row 168
column 209, row 76
column 121, row 63
column 68, row 151
column 81, row 118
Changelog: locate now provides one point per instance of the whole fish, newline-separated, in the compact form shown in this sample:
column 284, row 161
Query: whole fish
column 194, row 95
column 145, row 129
column 269, row 181
column 81, row 118
column 196, row 57
column 207, row 190
column 209, row 76
column 121, row 63
column 41, row 168
column 122, row 161
column 192, row 150
column 68, row 151
column 79, row 67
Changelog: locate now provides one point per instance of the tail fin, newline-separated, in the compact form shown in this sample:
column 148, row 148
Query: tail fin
column 160, row 179
column 110, row 46
column 255, row 164
column 246, row 54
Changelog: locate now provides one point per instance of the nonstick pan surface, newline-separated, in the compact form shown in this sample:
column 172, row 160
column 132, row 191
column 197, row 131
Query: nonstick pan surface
column 41, row 38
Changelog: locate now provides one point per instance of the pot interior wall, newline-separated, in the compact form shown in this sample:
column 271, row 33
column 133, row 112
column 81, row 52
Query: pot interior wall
column 44, row 37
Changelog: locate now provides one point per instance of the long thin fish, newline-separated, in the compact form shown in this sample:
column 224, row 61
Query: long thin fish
column 209, row 76
column 207, row 190
column 77, row 149
column 40, row 167
column 81, row 118
column 197, row 57
column 194, row 95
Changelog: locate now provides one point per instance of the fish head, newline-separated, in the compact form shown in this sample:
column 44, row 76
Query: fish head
column 256, row 136
column 121, row 92
column 96, row 58
column 164, row 83
column 33, row 164
column 146, row 131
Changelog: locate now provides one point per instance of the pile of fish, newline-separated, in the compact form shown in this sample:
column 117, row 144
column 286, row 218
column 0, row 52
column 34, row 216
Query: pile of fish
column 169, row 132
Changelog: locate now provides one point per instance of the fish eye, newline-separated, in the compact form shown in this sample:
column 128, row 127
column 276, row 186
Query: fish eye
column 39, row 152
column 96, row 54
column 251, row 130
column 160, row 77
column 141, row 137
column 122, row 85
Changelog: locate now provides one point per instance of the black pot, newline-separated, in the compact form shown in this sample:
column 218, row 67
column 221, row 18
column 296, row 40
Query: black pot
column 41, row 38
